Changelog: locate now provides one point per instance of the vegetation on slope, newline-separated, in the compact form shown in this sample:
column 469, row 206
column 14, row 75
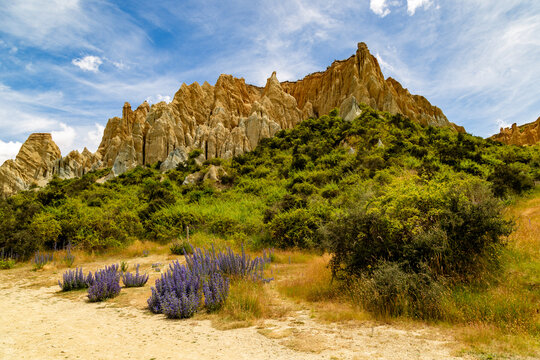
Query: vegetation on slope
column 405, row 211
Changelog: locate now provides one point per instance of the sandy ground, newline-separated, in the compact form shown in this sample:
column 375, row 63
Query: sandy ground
column 38, row 322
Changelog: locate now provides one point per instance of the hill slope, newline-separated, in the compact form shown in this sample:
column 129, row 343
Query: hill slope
column 224, row 120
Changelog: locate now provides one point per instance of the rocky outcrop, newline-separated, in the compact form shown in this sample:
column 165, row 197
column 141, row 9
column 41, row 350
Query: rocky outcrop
column 76, row 164
column 34, row 165
column 360, row 76
column 527, row 134
column 226, row 120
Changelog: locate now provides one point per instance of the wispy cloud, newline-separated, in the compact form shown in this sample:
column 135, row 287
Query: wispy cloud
column 93, row 138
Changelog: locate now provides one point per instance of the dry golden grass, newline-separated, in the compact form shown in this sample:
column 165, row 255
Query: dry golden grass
column 293, row 257
column 526, row 236
column 311, row 282
column 489, row 342
column 248, row 303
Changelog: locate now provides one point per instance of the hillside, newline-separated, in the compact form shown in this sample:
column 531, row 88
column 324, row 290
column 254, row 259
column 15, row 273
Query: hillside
column 308, row 174
column 410, row 217
column 224, row 120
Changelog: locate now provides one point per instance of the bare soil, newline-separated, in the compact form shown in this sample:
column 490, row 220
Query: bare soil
column 37, row 321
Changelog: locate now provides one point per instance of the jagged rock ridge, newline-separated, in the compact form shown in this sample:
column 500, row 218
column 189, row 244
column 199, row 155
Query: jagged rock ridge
column 223, row 120
column 526, row 134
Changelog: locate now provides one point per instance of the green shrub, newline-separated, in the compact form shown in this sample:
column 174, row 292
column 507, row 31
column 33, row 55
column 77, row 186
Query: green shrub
column 330, row 191
column 223, row 227
column 195, row 153
column 454, row 228
column 171, row 222
column 296, row 228
column 510, row 178
column 181, row 248
column 390, row 291
column 7, row 263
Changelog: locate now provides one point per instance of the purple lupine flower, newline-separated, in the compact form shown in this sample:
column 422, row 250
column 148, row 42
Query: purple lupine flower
column 106, row 284
column 136, row 280
column 40, row 259
column 216, row 290
column 75, row 279
column 177, row 294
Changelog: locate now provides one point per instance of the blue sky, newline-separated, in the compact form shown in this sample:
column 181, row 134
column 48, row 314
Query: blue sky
column 69, row 65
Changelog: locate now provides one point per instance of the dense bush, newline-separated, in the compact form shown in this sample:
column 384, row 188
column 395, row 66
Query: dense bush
column 453, row 229
column 391, row 291
column 295, row 228
column 75, row 279
column 510, row 178
column 106, row 284
column 6, row 263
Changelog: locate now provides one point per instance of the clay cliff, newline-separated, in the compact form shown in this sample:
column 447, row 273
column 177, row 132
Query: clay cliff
column 527, row 134
column 223, row 120
column 32, row 166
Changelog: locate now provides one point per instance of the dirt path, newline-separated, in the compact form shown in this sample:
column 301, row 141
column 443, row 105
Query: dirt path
column 38, row 323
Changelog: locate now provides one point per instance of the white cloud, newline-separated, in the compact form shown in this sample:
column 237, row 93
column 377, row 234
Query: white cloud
column 64, row 138
column 412, row 5
column 158, row 98
column 88, row 63
column 8, row 150
column 379, row 7
column 93, row 137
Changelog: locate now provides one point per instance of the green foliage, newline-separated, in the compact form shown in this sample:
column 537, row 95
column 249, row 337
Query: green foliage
column 195, row 153
column 452, row 228
column 181, row 248
column 295, row 228
column 380, row 189
column 390, row 291
column 7, row 263
column 123, row 266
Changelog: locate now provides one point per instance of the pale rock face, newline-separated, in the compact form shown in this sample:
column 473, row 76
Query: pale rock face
column 76, row 164
column 175, row 158
column 214, row 173
column 361, row 77
column 223, row 121
column 193, row 178
column 34, row 164
column 527, row 134
column 349, row 109
column 125, row 160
